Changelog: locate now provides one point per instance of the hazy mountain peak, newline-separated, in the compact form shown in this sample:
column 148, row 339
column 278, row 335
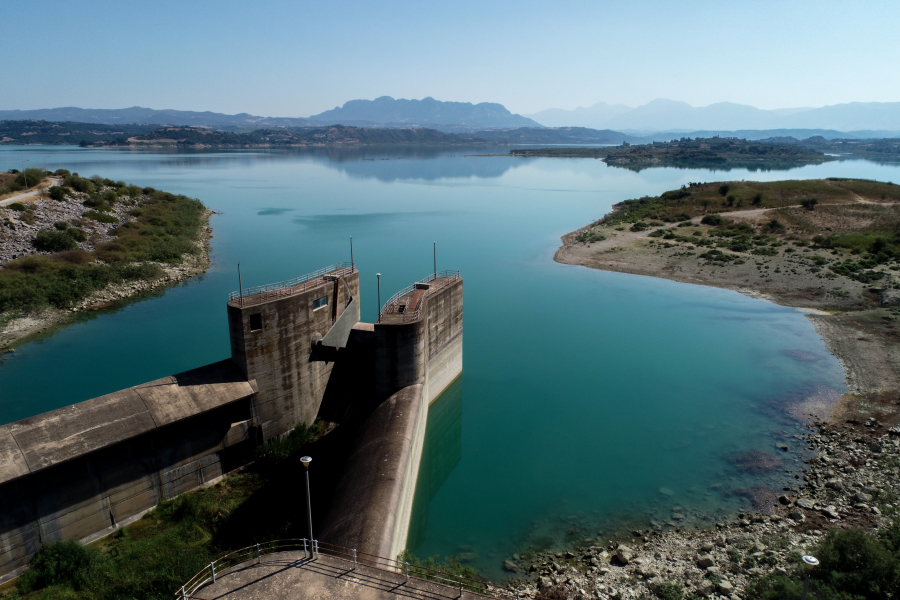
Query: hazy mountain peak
column 386, row 110
column 663, row 114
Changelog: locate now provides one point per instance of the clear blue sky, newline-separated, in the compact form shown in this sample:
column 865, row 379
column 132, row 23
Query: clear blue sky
column 283, row 58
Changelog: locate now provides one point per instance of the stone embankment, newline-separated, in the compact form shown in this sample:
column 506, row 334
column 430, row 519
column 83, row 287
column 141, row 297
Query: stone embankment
column 850, row 482
column 17, row 234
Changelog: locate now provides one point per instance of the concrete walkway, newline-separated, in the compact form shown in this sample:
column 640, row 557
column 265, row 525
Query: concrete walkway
column 292, row 575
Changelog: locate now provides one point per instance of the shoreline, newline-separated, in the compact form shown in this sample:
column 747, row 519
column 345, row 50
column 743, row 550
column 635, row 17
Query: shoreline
column 28, row 324
column 855, row 330
column 848, row 480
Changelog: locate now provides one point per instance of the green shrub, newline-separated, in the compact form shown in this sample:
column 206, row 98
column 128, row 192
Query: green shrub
column 57, row 193
column 76, row 234
column 51, row 240
column 855, row 562
column 657, row 233
column 78, row 184
column 765, row 251
column 774, row 226
column 714, row 220
column 17, row 206
column 99, row 216
column 62, row 172
column 30, row 178
column 639, row 226
column 667, row 590
column 62, row 563
column 809, row 203
column 723, row 189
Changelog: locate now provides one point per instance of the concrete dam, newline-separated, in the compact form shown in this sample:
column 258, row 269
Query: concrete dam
column 298, row 352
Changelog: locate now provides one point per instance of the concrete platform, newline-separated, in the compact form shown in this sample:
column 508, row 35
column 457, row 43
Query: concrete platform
column 292, row 575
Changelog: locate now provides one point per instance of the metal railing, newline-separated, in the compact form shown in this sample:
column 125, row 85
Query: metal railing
column 291, row 286
column 314, row 549
column 394, row 307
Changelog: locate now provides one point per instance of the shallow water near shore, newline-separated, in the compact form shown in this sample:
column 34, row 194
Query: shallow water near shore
column 588, row 401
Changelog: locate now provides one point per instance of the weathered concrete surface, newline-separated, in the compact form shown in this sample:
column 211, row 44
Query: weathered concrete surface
column 291, row 575
column 36, row 443
column 368, row 512
column 83, row 471
column 278, row 353
column 414, row 363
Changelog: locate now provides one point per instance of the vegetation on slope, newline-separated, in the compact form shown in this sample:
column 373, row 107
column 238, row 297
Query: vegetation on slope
column 47, row 132
column 165, row 229
column 833, row 228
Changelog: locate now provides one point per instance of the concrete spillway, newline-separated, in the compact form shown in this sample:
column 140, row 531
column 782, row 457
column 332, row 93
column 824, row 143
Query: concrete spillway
column 298, row 352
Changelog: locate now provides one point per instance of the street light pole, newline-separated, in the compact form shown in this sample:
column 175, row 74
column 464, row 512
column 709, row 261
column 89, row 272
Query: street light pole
column 378, row 275
column 24, row 176
column 306, row 460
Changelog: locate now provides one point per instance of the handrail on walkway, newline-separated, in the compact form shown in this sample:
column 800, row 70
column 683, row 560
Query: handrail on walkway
column 392, row 306
column 289, row 287
column 315, row 548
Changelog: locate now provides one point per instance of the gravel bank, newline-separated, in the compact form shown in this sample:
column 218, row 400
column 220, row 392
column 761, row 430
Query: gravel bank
column 850, row 482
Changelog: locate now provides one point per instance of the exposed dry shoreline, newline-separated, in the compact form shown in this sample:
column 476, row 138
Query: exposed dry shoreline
column 848, row 314
column 32, row 323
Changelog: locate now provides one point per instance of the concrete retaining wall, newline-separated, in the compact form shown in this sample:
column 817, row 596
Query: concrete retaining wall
column 414, row 363
column 81, row 472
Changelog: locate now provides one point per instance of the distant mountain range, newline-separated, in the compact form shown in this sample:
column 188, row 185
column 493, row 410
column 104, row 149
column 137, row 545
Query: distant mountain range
column 428, row 112
column 149, row 116
column 384, row 112
column 672, row 115
column 657, row 120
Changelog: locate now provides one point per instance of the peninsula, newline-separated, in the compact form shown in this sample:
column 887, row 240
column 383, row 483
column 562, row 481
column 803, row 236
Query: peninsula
column 828, row 245
column 82, row 244
column 713, row 152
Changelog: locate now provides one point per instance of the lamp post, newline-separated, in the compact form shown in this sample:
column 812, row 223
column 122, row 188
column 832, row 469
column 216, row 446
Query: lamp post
column 306, row 460
column 24, row 176
column 378, row 275
column 810, row 562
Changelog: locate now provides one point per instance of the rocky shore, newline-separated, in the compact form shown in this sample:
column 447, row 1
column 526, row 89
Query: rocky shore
column 16, row 241
column 851, row 481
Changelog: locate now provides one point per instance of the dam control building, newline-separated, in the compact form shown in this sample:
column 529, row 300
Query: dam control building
column 298, row 352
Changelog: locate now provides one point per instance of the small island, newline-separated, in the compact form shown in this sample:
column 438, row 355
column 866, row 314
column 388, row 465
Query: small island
column 830, row 246
column 77, row 244
column 716, row 153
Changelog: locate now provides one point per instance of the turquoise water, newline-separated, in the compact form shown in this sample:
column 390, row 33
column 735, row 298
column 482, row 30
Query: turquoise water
column 588, row 399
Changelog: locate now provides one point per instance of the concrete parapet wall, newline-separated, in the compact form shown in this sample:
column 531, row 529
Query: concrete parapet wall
column 81, row 472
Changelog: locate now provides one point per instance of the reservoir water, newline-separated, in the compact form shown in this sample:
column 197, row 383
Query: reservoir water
column 588, row 399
